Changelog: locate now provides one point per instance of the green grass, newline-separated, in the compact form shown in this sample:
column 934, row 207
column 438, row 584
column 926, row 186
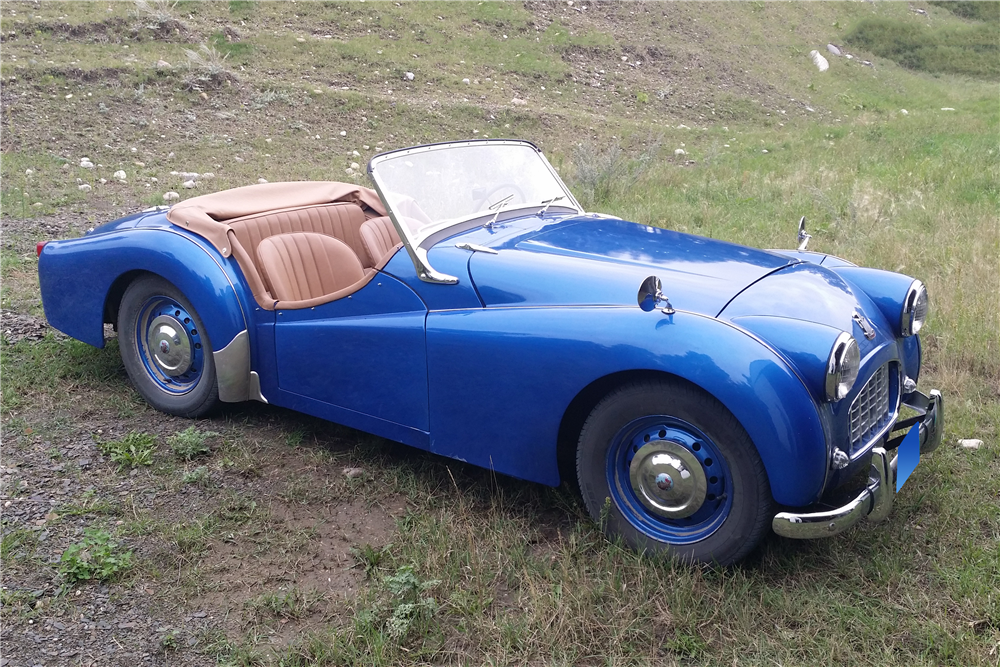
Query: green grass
column 191, row 443
column 135, row 449
column 96, row 556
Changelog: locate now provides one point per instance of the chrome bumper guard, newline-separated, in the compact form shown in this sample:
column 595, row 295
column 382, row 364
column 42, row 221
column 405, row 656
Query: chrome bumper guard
column 875, row 501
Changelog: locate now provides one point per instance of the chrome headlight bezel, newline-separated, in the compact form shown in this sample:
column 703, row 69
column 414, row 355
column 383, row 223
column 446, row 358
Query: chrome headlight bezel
column 843, row 367
column 914, row 312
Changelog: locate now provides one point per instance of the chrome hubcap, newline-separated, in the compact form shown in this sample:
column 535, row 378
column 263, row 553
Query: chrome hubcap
column 668, row 480
column 169, row 344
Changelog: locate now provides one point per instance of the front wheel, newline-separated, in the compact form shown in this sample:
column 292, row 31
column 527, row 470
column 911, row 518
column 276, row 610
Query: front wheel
column 165, row 349
column 666, row 467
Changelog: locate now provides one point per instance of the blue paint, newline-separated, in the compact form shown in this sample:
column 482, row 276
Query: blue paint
column 907, row 456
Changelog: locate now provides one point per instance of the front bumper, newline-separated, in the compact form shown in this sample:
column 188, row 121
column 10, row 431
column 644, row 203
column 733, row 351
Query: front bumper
column 875, row 501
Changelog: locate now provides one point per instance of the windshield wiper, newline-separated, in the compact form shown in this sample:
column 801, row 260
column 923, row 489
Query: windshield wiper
column 499, row 207
column 549, row 202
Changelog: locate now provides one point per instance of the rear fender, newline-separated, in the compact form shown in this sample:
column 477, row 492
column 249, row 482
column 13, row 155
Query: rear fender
column 82, row 279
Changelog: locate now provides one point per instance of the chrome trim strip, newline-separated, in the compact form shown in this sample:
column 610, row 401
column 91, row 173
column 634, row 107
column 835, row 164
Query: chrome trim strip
column 232, row 369
column 255, row 394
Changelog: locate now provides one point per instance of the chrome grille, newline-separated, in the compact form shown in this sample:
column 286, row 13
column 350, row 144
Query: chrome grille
column 871, row 410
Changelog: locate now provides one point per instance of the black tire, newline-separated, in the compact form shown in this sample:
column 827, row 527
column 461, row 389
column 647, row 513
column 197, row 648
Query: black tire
column 151, row 304
column 638, row 462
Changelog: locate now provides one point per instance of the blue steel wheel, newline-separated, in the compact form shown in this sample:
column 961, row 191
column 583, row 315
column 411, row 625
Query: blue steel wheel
column 165, row 349
column 666, row 467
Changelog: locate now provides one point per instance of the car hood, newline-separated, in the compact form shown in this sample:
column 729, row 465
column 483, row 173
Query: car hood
column 595, row 260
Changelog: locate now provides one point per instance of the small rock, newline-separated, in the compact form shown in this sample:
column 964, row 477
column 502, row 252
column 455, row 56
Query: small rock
column 163, row 64
column 28, row 172
column 207, row 176
column 947, row 109
column 300, row 40
column 904, row 112
column 102, row 181
column 262, row 180
column 351, row 473
column 188, row 184
column 86, row 164
column 138, row 163
column 120, row 175
column 821, row 63
column 349, row 171
column 355, row 165
column 170, row 196
column 70, row 96
column 154, row 179
column 317, row 91
column 408, row 76
column 518, row 102
column 682, row 126
column 343, row 133
column 971, row 443
column 466, row 81
column 356, row 154
column 84, row 188
column 763, row 150
column 834, row 49
column 680, row 151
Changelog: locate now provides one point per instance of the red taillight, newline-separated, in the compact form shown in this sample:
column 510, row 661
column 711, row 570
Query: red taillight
column 38, row 248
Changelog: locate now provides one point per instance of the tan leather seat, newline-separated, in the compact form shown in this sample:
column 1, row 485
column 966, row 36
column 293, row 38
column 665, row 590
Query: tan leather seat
column 379, row 237
column 340, row 220
column 304, row 268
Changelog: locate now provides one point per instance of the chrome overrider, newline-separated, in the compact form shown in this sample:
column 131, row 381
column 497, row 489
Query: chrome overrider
column 875, row 501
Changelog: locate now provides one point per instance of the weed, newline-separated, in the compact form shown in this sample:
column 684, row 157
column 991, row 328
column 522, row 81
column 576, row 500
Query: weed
column 169, row 641
column 159, row 16
column 190, row 443
column 135, row 449
column 200, row 476
column 370, row 557
column 409, row 607
column 18, row 544
column 222, row 42
column 291, row 604
column 603, row 173
column 207, row 69
column 269, row 96
column 97, row 556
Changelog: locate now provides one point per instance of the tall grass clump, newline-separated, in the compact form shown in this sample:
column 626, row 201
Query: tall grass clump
column 967, row 50
column 602, row 173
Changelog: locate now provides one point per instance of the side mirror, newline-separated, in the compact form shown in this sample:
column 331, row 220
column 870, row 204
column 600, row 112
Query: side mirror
column 803, row 236
column 651, row 296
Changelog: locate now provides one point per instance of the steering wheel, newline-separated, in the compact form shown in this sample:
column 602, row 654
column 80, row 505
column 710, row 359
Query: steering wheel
column 510, row 188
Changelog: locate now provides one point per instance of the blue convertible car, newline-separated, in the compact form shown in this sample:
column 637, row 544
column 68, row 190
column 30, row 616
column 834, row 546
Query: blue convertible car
column 470, row 307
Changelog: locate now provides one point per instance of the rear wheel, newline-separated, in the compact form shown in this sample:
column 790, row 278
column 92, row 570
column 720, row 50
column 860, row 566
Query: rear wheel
column 666, row 467
column 165, row 349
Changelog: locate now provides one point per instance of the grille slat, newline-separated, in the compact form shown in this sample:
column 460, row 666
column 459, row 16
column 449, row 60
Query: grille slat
column 871, row 409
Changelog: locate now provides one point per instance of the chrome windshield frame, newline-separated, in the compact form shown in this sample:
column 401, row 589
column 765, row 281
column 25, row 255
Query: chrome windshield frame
column 417, row 246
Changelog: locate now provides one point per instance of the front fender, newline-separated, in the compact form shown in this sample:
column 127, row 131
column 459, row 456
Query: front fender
column 77, row 277
column 501, row 380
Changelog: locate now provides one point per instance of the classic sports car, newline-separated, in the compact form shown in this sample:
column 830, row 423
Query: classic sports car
column 470, row 307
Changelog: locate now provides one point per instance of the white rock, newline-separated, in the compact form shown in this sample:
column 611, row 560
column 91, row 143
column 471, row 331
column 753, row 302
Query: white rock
column 29, row 172
column 86, row 164
column 343, row 133
column 409, row 76
column 170, row 196
column 120, row 175
column 947, row 109
column 353, row 472
column 138, row 163
column 262, row 180
column 66, row 165
column 680, row 151
column 102, row 181
column 189, row 175
column 849, row 56
column 84, row 188
column 355, row 165
column 300, row 40
column 188, row 184
column 349, row 171
column 365, row 147
column 904, row 112
column 810, row 109
column 70, row 96
column 207, row 176
column 154, row 179
column 518, row 102
column 821, row 63
column 170, row 154
column 163, row 64
column 971, row 443
column 832, row 48
column 357, row 154
column 683, row 127
column 763, row 150
column 466, row 81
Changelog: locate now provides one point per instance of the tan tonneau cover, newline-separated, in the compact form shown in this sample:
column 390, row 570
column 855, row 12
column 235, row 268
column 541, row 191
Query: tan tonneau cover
column 207, row 215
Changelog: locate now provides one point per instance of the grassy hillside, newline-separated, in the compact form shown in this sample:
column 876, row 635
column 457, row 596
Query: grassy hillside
column 288, row 559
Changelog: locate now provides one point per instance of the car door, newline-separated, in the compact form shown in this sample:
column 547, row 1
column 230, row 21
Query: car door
column 360, row 360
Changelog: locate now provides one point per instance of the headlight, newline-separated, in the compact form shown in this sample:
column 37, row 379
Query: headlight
column 842, row 368
column 914, row 309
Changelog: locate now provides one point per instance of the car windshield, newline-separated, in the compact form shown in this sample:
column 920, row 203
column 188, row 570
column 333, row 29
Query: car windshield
column 431, row 187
